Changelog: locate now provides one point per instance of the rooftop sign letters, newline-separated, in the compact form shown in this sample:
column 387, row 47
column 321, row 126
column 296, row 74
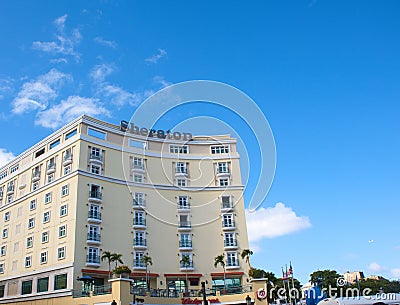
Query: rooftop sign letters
column 197, row 301
column 161, row 134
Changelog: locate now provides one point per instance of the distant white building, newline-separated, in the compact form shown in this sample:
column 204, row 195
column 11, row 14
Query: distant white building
column 352, row 277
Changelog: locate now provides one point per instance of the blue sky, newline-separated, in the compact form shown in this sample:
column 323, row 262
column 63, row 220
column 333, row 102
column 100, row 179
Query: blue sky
column 326, row 75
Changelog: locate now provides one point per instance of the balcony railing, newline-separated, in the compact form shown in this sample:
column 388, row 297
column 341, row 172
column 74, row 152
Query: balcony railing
column 94, row 215
column 93, row 237
column 139, row 222
column 36, row 174
column 228, row 224
column 93, row 259
column 185, row 206
column 226, row 205
column 185, row 243
column 100, row 290
column 96, row 157
column 139, row 242
column 232, row 263
column 139, row 203
column 51, row 166
column 138, row 166
column 138, row 264
column 230, row 243
column 181, row 170
column 67, row 157
column 184, row 225
column 10, row 189
column 187, row 265
column 95, row 195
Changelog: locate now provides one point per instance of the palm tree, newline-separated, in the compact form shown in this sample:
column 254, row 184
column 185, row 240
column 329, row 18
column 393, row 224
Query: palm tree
column 185, row 262
column 116, row 258
column 147, row 261
column 246, row 255
column 220, row 260
column 107, row 255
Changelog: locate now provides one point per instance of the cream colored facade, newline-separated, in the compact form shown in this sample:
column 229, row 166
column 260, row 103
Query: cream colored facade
column 90, row 187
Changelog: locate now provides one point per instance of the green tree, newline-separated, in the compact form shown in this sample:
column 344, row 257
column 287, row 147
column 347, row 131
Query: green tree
column 246, row 255
column 147, row 261
column 116, row 258
column 185, row 261
column 107, row 255
column 220, row 260
column 326, row 278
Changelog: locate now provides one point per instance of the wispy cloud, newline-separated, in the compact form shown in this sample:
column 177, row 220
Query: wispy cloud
column 69, row 109
column 36, row 94
column 5, row 87
column 155, row 58
column 274, row 222
column 161, row 81
column 375, row 267
column 5, row 156
column 63, row 44
column 100, row 72
column 107, row 43
column 395, row 272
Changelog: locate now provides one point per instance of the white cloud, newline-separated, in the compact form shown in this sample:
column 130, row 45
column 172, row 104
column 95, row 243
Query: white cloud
column 120, row 97
column 375, row 267
column 273, row 222
column 5, row 156
column 155, row 58
column 36, row 94
column 100, row 72
column 395, row 272
column 5, row 87
column 161, row 80
column 68, row 110
column 108, row 43
column 64, row 44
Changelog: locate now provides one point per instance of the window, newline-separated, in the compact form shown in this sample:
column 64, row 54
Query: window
column 47, row 198
column 26, row 287
column 226, row 202
column 181, row 182
column 9, row 199
column 227, row 221
column 183, row 202
column 40, row 152
column 3, row 250
column 94, row 211
column 50, row 178
column 139, row 219
column 54, row 144
column 43, row 284
column 65, row 190
column 231, row 259
column 2, row 289
column 6, row 216
column 28, row 261
column 138, row 260
column 184, row 240
column 1, row 267
column 95, row 153
column 31, row 223
column 46, row 216
column 220, row 149
column 3, row 175
column 67, row 169
column 29, row 242
column 14, row 168
column 43, row 257
column 94, row 233
column 45, row 237
column 223, row 167
column 5, row 233
column 138, row 178
column 138, row 163
column 178, row 149
column 96, row 133
column 70, row 134
column 229, row 240
column 184, row 221
column 93, row 255
column 61, row 253
column 95, row 169
column 1, row 191
column 95, row 191
column 51, row 165
column 62, row 231
column 11, row 186
column 139, row 239
column 137, row 144
column 60, row 281
column 63, row 210
column 32, row 204
column 181, row 167
column 139, row 199
column 35, row 185
column 224, row 182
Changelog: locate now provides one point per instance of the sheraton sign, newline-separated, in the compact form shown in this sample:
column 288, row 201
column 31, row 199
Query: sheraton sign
column 125, row 126
column 198, row 301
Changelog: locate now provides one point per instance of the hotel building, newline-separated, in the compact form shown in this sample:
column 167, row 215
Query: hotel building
column 92, row 187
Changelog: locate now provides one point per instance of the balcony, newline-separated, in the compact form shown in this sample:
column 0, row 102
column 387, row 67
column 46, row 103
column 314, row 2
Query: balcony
column 94, row 217
column 223, row 172
column 139, row 223
column 138, row 168
column 226, row 206
column 139, row 243
column 67, row 159
column 92, row 260
column 233, row 264
column 35, row 176
column 187, row 267
column 230, row 244
column 1, row 195
column 93, row 238
column 139, row 204
column 10, row 189
column 138, row 265
column 184, row 207
column 185, row 245
column 181, row 172
column 51, row 168
column 184, row 226
column 96, row 196
column 228, row 225
column 96, row 158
